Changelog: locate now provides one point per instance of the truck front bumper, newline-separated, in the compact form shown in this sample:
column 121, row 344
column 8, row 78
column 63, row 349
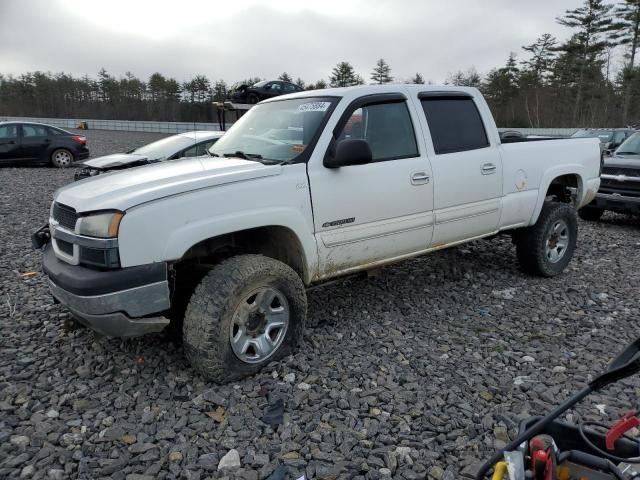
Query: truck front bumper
column 616, row 203
column 123, row 302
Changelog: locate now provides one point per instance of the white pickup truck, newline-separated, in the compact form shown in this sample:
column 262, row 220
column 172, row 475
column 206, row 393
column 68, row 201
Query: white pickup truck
column 304, row 188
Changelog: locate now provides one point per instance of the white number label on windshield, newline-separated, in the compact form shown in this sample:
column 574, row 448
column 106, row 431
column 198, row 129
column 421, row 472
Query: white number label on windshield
column 314, row 107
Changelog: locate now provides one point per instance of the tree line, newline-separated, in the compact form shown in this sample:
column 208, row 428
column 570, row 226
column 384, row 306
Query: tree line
column 552, row 84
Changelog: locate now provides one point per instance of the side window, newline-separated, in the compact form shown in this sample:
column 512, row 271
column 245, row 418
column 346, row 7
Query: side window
column 619, row 137
column 188, row 152
column 54, row 131
column 34, row 131
column 288, row 87
column 276, row 87
column 7, row 132
column 455, row 124
column 386, row 127
column 204, row 147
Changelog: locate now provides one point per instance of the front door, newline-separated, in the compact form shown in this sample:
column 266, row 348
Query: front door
column 368, row 214
column 9, row 143
column 467, row 169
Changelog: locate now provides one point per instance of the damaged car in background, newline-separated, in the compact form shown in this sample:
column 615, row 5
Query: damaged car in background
column 183, row 145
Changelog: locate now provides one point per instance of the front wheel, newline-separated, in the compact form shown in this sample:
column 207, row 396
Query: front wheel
column 61, row 158
column 546, row 248
column 246, row 312
column 252, row 98
column 591, row 214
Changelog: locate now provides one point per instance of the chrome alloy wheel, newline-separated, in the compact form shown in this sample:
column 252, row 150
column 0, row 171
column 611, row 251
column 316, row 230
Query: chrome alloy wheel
column 557, row 241
column 259, row 325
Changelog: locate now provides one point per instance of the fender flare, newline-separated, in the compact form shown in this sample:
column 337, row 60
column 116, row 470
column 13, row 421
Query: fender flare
column 189, row 235
column 549, row 176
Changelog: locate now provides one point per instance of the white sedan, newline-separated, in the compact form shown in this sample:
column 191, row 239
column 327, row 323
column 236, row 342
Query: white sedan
column 182, row 145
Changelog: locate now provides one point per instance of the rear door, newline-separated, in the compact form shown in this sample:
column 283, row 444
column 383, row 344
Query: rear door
column 366, row 214
column 9, row 143
column 35, row 142
column 467, row 169
column 273, row 89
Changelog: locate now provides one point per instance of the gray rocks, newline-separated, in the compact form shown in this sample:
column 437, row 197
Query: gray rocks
column 20, row 441
column 230, row 461
column 27, row 472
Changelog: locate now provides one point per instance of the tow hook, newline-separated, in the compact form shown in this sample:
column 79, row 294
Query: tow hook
column 41, row 237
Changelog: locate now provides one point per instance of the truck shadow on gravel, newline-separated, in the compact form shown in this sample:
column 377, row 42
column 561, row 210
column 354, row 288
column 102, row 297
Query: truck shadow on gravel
column 403, row 292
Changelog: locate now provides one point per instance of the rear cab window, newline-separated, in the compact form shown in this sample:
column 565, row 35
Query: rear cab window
column 454, row 122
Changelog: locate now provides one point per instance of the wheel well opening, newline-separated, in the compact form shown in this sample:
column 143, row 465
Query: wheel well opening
column 275, row 242
column 565, row 189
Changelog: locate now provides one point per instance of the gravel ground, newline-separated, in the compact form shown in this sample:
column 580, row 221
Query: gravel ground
column 419, row 371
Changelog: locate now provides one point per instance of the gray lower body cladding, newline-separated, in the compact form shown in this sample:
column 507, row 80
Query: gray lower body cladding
column 117, row 303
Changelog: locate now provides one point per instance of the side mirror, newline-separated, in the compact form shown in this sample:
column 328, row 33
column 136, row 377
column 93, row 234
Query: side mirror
column 352, row 151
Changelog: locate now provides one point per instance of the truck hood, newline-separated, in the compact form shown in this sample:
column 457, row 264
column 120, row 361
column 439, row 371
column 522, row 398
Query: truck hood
column 116, row 160
column 123, row 189
column 622, row 161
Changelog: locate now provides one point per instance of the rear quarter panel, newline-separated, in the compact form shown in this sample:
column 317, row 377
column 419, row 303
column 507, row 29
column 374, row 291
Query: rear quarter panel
column 530, row 167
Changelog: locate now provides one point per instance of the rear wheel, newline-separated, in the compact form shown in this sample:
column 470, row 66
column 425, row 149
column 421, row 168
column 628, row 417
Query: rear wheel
column 591, row 214
column 546, row 248
column 246, row 312
column 61, row 158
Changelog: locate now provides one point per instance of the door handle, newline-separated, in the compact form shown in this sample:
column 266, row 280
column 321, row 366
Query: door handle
column 420, row 178
column 488, row 168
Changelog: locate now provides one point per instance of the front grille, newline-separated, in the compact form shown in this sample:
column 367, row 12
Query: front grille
column 65, row 216
column 65, row 247
column 629, row 172
column 627, row 189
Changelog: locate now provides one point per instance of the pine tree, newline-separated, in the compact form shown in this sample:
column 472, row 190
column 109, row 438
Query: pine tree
column 381, row 72
column 470, row 78
column 285, row 77
column 220, row 91
column 536, row 72
column 319, row 85
column 591, row 21
column 625, row 31
column 300, row 82
column 343, row 75
column 543, row 54
column 418, row 79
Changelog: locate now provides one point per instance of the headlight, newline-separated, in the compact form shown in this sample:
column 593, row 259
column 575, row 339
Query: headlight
column 102, row 225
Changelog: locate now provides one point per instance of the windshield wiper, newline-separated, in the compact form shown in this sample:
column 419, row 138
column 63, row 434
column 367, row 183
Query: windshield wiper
column 627, row 153
column 243, row 155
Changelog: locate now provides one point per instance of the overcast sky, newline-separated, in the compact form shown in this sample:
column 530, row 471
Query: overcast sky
column 235, row 39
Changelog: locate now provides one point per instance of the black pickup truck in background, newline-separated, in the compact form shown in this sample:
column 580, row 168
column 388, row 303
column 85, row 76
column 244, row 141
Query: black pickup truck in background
column 619, row 182
column 610, row 138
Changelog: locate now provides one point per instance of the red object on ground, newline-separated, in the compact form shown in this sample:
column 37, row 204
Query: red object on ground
column 623, row 425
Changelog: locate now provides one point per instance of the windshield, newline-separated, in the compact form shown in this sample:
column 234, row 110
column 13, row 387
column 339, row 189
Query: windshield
column 603, row 135
column 276, row 131
column 631, row 146
column 165, row 147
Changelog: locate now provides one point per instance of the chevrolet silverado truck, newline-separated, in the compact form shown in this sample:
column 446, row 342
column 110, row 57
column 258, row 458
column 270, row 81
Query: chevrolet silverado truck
column 305, row 188
column 619, row 184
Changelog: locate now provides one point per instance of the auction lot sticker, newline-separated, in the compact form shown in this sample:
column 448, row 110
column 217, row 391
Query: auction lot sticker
column 314, row 107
